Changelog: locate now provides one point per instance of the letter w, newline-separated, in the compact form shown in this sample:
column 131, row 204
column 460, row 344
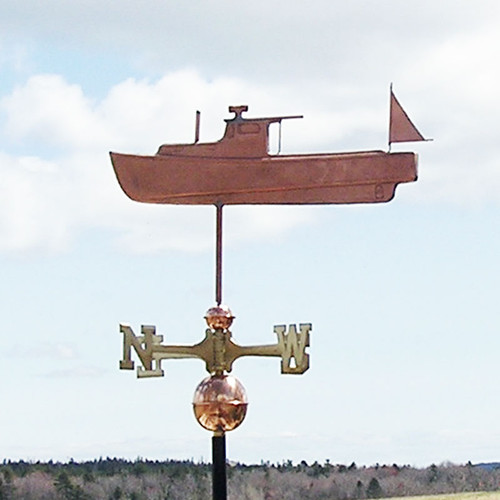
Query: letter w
column 294, row 358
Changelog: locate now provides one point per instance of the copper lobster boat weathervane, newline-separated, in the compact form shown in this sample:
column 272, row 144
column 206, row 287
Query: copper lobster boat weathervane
column 238, row 170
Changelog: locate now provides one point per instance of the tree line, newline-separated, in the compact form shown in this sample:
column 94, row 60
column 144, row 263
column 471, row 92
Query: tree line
column 115, row 479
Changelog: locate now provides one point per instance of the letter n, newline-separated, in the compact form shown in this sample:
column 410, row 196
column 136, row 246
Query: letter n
column 143, row 346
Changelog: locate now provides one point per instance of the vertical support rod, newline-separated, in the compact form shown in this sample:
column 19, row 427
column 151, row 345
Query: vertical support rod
column 218, row 258
column 219, row 481
column 197, row 128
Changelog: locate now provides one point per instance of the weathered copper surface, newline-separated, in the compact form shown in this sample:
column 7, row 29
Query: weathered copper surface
column 220, row 403
column 401, row 128
column 239, row 170
column 219, row 317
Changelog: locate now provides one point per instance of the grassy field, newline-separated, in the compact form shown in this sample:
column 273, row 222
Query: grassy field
column 478, row 495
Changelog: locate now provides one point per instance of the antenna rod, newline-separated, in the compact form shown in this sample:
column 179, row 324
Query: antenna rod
column 218, row 256
column 197, row 128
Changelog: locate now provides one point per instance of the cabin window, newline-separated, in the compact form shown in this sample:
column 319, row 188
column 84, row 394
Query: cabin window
column 248, row 128
column 274, row 139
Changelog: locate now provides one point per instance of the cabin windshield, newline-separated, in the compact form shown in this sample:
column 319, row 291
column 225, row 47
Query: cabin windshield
column 274, row 139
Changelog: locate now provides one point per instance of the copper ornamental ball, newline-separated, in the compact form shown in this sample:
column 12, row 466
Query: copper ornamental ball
column 219, row 317
column 220, row 403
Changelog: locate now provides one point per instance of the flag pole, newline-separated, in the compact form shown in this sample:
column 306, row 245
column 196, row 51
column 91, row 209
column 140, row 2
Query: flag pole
column 390, row 118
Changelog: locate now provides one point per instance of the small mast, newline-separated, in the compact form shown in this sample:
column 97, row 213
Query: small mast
column 197, row 128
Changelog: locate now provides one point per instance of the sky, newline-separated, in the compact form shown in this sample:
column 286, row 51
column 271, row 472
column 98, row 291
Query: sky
column 402, row 296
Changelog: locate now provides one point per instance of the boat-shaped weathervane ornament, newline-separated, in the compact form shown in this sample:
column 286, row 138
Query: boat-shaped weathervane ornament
column 238, row 169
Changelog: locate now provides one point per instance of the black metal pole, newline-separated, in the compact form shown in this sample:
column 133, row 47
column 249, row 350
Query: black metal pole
column 219, row 486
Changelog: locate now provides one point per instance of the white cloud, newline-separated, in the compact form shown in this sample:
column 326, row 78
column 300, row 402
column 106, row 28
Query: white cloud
column 31, row 204
column 269, row 40
column 453, row 92
column 56, row 351
column 47, row 109
column 76, row 372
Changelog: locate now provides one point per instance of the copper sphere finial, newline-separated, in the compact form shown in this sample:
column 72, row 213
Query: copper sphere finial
column 219, row 317
column 220, row 403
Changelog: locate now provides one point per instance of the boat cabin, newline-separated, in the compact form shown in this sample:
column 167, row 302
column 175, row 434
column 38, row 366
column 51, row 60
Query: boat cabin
column 243, row 138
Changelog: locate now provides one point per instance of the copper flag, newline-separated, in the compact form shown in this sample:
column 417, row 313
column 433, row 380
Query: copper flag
column 401, row 128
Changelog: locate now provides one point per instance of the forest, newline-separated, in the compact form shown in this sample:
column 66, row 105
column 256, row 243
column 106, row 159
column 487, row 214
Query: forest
column 115, row 479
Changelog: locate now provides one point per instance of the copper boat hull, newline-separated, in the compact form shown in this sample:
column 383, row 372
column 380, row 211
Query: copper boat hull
column 334, row 178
